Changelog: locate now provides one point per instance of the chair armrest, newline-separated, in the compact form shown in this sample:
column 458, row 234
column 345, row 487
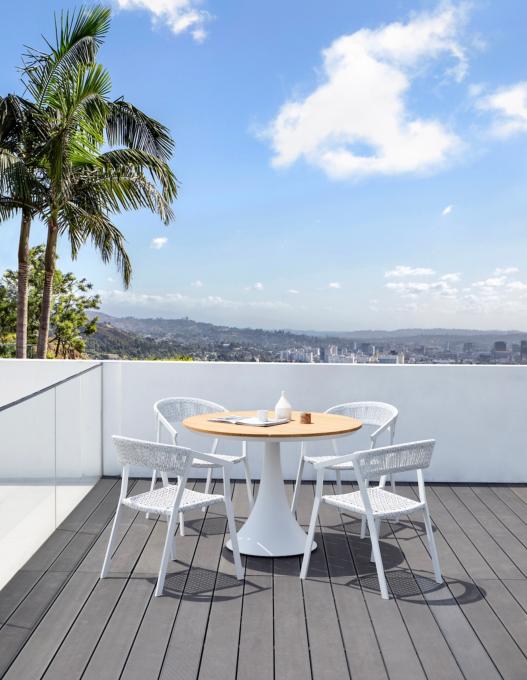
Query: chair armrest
column 168, row 426
column 211, row 458
column 381, row 429
column 334, row 460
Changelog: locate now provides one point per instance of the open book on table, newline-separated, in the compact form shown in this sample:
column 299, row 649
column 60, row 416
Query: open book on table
column 252, row 420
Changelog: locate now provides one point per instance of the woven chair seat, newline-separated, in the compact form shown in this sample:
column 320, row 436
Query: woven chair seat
column 161, row 500
column 383, row 503
column 323, row 459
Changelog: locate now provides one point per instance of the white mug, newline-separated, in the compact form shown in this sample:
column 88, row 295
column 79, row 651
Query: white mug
column 262, row 415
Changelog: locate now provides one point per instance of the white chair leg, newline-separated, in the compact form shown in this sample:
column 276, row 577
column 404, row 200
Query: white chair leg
column 377, row 558
column 298, row 482
column 181, row 517
column 338, row 476
column 378, row 529
column 207, row 486
column 363, row 527
column 152, row 487
column 432, row 545
column 309, row 539
column 169, row 551
column 248, row 481
column 234, row 539
column 111, row 543
column 363, row 519
column 209, row 481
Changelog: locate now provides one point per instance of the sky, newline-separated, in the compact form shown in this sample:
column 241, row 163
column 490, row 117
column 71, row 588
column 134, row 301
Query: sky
column 341, row 165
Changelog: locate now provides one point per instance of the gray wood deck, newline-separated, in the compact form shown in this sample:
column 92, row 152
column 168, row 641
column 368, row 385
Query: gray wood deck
column 59, row 622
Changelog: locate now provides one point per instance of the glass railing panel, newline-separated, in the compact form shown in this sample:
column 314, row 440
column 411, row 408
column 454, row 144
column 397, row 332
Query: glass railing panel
column 78, row 440
column 50, row 458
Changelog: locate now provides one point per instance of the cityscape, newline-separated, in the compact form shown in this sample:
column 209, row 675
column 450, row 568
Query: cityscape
column 401, row 353
column 170, row 339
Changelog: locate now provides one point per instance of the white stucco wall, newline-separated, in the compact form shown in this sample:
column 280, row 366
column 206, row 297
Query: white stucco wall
column 478, row 414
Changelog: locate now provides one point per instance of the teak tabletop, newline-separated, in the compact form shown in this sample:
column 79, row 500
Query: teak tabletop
column 322, row 425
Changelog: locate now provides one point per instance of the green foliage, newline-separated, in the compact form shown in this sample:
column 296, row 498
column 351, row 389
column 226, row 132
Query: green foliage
column 80, row 186
column 72, row 299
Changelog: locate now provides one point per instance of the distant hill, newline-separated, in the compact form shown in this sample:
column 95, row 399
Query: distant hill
column 135, row 338
column 186, row 329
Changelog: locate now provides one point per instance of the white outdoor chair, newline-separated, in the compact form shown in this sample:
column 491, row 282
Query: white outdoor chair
column 376, row 503
column 168, row 500
column 169, row 413
column 377, row 414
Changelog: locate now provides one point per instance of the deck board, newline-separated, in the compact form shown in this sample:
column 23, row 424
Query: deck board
column 58, row 620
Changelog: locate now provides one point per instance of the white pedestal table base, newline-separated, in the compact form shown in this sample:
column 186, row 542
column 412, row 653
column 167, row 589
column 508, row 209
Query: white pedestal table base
column 271, row 530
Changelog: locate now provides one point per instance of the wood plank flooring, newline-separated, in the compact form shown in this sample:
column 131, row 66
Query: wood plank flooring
column 58, row 621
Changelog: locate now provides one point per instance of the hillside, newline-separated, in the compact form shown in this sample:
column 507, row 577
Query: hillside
column 135, row 338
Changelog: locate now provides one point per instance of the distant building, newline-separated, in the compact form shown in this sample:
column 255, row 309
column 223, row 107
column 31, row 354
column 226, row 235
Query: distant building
column 500, row 346
column 366, row 348
column 523, row 351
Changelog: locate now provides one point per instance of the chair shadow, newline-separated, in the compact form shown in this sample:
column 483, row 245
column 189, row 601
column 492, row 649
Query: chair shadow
column 213, row 525
column 403, row 583
column 200, row 584
column 414, row 587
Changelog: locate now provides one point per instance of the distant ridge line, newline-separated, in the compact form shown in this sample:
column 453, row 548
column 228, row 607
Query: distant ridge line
column 120, row 321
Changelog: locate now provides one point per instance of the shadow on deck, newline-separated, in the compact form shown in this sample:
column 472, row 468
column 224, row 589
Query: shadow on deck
column 59, row 621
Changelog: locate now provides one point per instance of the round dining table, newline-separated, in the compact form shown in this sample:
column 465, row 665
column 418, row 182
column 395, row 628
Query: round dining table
column 271, row 530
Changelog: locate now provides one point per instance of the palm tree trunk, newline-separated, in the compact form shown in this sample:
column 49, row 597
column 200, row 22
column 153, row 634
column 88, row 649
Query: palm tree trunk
column 22, row 292
column 47, row 295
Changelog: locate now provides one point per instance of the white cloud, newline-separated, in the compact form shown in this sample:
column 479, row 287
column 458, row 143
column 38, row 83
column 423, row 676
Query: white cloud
column 413, row 289
column 454, row 277
column 447, row 210
column 492, row 282
column 509, row 106
column 334, row 284
column 517, row 285
column 197, row 284
column 255, row 286
column 356, row 121
column 158, row 242
column 402, row 270
column 178, row 302
column 293, row 291
column 179, row 15
column 497, row 294
column 500, row 271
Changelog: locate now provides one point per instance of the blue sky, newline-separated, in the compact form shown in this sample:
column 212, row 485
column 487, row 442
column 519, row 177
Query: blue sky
column 342, row 166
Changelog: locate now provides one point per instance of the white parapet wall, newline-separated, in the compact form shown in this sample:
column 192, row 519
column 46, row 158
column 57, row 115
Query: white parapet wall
column 476, row 413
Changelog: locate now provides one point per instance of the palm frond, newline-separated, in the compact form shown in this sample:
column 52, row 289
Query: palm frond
column 142, row 161
column 128, row 126
column 78, row 36
column 82, row 226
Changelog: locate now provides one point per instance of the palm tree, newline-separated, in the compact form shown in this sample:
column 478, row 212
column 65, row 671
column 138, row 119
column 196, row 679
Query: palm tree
column 22, row 134
column 20, row 189
column 85, row 186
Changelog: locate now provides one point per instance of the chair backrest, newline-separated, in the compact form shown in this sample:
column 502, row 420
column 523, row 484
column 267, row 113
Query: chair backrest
column 375, row 413
column 392, row 459
column 174, row 410
column 162, row 457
